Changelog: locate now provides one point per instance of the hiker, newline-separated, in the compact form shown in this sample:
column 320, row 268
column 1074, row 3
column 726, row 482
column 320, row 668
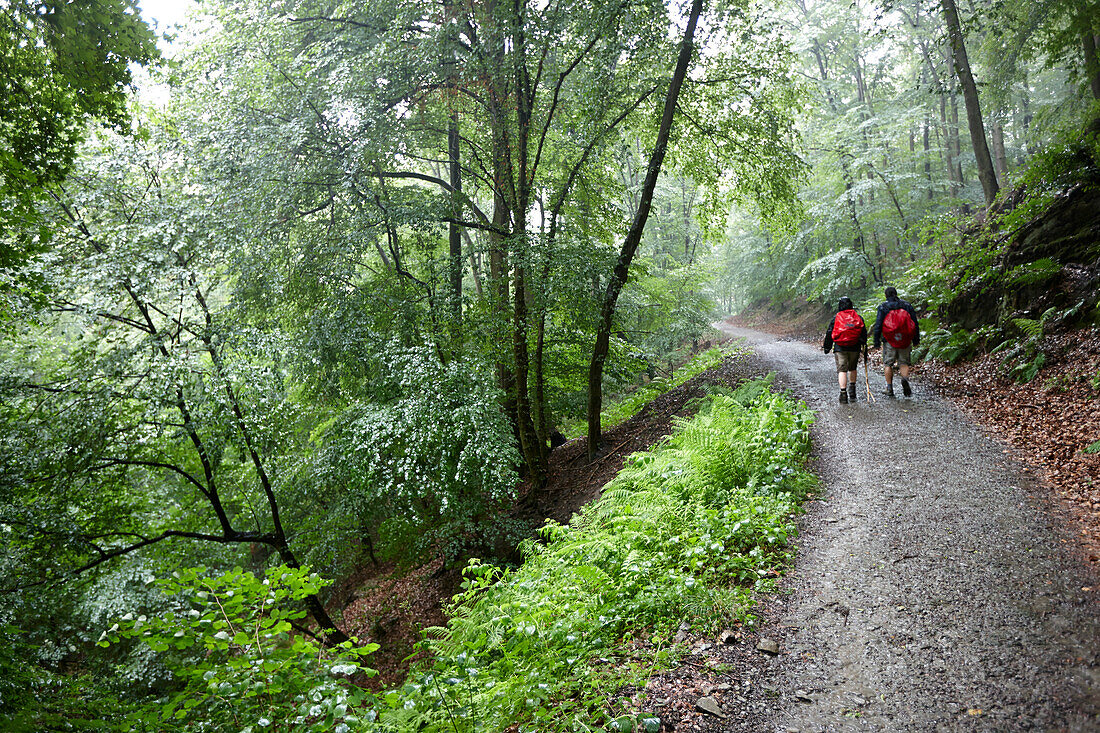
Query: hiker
column 846, row 336
column 897, row 328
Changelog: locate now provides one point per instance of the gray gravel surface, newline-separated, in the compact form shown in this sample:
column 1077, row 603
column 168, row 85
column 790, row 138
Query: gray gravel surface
column 933, row 589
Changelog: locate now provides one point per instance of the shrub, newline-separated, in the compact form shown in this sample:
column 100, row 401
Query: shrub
column 241, row 663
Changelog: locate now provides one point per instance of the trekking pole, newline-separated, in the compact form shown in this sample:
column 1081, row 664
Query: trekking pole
column 866, row 373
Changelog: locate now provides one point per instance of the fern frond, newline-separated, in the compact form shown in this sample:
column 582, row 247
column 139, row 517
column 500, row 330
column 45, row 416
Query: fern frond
column 1029, row 326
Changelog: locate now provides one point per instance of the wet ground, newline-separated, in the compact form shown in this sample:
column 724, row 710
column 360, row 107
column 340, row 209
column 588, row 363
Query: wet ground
column 933, row 589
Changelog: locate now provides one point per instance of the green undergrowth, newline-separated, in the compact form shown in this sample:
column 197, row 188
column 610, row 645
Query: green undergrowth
column 619, row 411
column 685, row 533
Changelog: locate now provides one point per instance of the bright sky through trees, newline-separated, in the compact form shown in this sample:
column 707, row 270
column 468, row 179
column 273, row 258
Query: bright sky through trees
column 164, row 12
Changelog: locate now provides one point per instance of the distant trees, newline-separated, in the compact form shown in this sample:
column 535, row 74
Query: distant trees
column 973, row 107
column 883, row 129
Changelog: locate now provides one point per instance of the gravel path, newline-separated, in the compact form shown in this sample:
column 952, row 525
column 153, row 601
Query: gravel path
column 932, row 590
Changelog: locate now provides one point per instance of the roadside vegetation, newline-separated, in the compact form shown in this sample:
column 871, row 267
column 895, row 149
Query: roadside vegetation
column 625, row 406
column 686, row 536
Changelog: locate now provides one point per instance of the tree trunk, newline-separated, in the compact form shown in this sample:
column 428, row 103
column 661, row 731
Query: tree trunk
column 454, row 162
column 498, row 291
column 1000, row 160
column 1026, row 147
column 986, row 173
column 454, row 230
column 475, row 266
column 955, row 144
column 1092, row 63
column 634, row 235
column 534, row 454
column 927, row 144
column 1092, row 71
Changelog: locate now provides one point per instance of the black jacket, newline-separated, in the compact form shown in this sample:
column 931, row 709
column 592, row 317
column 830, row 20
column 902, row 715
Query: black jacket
column 885, row 308
column 859, row 345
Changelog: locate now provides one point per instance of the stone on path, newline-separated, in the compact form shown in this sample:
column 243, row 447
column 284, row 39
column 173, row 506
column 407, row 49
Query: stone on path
column 710, row 705
column 767, row 645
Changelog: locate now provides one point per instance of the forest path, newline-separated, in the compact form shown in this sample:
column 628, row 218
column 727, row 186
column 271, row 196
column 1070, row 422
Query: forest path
column 931, row 591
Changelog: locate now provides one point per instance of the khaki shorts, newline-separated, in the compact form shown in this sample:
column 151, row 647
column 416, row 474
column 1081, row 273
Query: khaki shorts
column 846, row 361
column 891, row 357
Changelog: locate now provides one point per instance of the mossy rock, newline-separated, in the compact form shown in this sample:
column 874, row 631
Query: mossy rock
column 1051, row 262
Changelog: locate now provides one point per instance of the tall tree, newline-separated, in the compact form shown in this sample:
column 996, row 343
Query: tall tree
column 634, row 234
column 986, row 173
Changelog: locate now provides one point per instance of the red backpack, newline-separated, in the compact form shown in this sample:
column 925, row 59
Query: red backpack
column 846, row 327
column 898, row 328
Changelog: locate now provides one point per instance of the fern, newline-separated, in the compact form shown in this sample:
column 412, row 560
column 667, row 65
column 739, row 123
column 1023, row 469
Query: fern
column 1031, row 327
column 685, row 532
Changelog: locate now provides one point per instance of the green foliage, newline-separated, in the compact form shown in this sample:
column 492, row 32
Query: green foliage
column 240, row 663
column 955, row 345
column 62, row 64
column 1023, row 357
column 423, row 462
column 58, row 702
column 685, row 533
column 619, row 411
column 16, row 675
column 891, row 171
column 1032, row 273
column 843, row 272
column 1067, row 163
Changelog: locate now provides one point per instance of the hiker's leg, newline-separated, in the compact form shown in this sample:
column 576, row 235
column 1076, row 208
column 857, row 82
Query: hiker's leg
column 841, row 359
column 903, row 366
column 852, row 377
column 889, row 360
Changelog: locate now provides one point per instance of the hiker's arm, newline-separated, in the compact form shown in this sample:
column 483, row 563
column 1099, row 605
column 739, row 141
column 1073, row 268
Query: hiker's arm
column 916, row 326
column 828, row 343
column 877, row 330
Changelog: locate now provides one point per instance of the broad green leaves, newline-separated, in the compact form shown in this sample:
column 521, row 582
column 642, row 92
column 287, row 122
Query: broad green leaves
column 242, row 663
column 62, row 64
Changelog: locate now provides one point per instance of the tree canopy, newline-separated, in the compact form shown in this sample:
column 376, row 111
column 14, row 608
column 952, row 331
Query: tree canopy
column 62, row 64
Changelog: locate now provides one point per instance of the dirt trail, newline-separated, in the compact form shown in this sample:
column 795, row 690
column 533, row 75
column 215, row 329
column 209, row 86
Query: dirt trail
column 932, row 590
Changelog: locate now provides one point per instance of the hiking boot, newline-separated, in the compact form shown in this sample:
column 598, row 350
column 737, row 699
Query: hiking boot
column 851, row 393
column 889, row 390
column 905, row 389
column 843, row 396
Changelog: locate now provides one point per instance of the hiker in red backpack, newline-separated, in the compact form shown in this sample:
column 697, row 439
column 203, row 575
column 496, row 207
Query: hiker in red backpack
column 897, row 328
column 846, row 336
